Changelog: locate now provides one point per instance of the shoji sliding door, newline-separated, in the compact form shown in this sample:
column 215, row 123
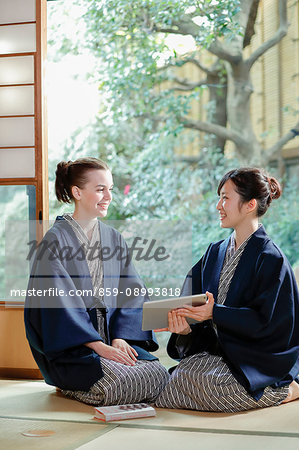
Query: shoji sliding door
column 23, row 149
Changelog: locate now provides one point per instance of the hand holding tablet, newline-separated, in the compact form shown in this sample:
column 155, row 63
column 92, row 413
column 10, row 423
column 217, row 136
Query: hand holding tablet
column 155, row 313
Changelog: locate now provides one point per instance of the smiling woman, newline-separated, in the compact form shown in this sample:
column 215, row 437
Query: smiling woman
column 243, row 352
column 85, row 328
column 90, row 188
column 245, row 193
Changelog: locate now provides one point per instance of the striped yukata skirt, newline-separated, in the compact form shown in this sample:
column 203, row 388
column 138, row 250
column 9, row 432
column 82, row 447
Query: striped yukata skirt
column 122, row 384
column 204, row 382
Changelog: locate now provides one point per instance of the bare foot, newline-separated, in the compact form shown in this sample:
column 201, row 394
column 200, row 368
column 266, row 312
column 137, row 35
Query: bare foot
column 293, row 392
column 58, row 389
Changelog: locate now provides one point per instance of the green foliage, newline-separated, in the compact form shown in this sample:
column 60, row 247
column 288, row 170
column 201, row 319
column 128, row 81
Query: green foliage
column 282, row 221
column 164, row 187
column 139, row 125
column 125, row 38
column 141, row 16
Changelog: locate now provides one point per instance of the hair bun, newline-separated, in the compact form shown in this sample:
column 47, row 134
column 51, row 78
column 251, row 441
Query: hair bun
column 61, row 182
column 62, row 168
column 275, row 188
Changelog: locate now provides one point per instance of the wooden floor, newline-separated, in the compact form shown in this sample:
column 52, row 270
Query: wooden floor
column 33, row 405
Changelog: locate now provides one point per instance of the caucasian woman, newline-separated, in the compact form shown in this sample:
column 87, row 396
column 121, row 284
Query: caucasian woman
column 87, row 338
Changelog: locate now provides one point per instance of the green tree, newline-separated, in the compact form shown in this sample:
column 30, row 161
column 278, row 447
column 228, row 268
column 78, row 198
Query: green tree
column 143, row 114
column 137, row 67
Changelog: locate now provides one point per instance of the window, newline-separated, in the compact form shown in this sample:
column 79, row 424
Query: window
column 17, row 228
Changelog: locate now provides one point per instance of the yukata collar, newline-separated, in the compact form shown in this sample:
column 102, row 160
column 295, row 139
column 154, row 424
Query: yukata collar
column 253, row 247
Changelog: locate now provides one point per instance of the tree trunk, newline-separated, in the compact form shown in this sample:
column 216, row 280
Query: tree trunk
column 217, row 94
column 238, row 111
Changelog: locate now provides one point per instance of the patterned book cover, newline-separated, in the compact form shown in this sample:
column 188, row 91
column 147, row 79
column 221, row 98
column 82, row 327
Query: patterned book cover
column 121, row 412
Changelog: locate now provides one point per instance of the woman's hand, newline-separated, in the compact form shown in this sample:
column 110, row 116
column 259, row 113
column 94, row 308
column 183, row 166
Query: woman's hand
column 176, row 324
column 122, row 345
column 200, row 313
column 112, row 353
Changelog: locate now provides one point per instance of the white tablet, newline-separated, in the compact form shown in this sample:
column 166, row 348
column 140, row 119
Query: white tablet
column 155, row 313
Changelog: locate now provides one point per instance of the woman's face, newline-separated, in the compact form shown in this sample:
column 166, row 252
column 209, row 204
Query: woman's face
column 96, row 195
column 232, row 212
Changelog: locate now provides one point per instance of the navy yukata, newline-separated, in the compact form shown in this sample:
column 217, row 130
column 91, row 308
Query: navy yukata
column 249, row 351
column 58, row 326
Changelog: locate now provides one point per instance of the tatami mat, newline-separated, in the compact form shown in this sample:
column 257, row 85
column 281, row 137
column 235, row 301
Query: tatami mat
column 27, row 405
column 169, row 440
column 282, row 420
column 67, row 435
column 35, row 399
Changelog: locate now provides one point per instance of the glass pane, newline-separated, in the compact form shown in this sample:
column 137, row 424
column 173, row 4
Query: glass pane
column 13, row 11
column 17, row 132
column 17, row 163
column 17, row 70
column 25, row 211
column 16, row 100
column 17, row 39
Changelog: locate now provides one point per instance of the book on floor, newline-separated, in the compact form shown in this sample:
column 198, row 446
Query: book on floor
column 121, row 412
